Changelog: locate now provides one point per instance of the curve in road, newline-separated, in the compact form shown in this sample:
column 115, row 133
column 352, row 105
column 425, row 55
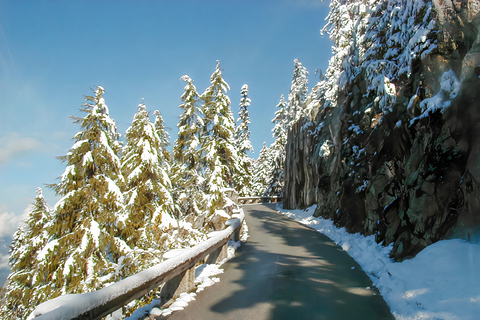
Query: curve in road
column 286, row 270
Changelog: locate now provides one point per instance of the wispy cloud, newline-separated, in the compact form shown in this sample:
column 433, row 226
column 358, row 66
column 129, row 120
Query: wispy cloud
column 15, row 145
column 10, row 221
column 3, row 261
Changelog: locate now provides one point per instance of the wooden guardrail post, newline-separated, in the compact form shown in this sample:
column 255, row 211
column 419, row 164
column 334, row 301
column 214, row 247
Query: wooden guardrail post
column 237, row 233
column 218, row 255
column 184, row 282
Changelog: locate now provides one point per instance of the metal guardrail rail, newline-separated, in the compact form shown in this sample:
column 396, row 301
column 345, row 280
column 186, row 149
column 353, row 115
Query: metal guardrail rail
column 177, row 275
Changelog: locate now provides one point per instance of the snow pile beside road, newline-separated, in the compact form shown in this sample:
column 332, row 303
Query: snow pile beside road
column 441, row 282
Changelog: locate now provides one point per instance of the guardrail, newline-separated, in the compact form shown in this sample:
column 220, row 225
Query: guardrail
column 176, row 274
column 248, row 200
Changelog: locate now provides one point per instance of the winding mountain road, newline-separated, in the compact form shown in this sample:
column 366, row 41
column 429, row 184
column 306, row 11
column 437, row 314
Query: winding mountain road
column 286, row 270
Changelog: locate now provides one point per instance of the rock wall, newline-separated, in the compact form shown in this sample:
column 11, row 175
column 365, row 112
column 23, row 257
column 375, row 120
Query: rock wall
column 410, row 176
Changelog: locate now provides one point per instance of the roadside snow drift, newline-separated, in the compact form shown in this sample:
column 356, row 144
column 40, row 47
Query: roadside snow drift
column 441, row 282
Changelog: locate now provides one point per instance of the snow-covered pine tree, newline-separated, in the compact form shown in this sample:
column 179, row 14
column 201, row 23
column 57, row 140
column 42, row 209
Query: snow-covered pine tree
column 242, row 132
column 220, row 156
column 243, row 144
column 298, row 93
column 84, row 252
column 148, row 202
column 261, row 171
column 316, row 98
column 186, row 153
column 280, row 120
column 164, row 138
column 24, row 279
column 275, row 181
column 377, row 40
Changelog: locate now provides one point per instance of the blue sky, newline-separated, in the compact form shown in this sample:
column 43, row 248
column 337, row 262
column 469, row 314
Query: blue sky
column 52, row 52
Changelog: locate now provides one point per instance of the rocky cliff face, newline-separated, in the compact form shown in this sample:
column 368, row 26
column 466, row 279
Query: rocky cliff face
column 403, row 166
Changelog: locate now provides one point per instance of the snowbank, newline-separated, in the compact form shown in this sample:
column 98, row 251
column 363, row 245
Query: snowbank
column 441, row 282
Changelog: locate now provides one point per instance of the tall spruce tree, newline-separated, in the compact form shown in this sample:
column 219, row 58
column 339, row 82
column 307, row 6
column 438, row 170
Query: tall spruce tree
column 148, row 202
column 25, row 282
column 276, row 180
column 243, row 144
column 80, row 248
column 164, row 137
column 242, row 132
column 220, row 155
column 261, row 171
column 285, row 117
column 277, row 151
column 84, row 251
column 316, row 98
column 298, row 93
column 186, row 153
column 280, row 120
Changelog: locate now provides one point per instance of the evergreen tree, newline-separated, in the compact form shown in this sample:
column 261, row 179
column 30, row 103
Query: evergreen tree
column 298, row 93
column 316, row 98
column 148, row 201
column 262, row 171
column 243, row 144
column 24, row 279
column 220, row 155
column 186, row 153
column 83, row 251
column 242, row 132
column 164, row 138
column 377, row 40
column 280, row 130
column 276, row 180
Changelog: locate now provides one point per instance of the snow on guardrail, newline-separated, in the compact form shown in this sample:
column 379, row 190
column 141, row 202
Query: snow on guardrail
column 70, row 306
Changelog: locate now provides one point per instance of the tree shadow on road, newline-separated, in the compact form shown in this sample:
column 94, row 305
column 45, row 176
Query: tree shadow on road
column 314, row 280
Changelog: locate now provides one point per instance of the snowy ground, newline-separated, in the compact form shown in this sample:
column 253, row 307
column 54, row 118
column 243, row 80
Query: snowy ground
column 205, row 276
column 441, row 282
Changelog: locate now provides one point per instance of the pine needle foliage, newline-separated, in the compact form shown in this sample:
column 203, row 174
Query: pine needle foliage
column 164, row 137
column 24, row 280
column 242, row 132
column 220, row 156
column 262, row 171
column 280, row 120
column 298, row 93
column 186, row 153
column 83, row 251
column 243, row 144
column 148, row 201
